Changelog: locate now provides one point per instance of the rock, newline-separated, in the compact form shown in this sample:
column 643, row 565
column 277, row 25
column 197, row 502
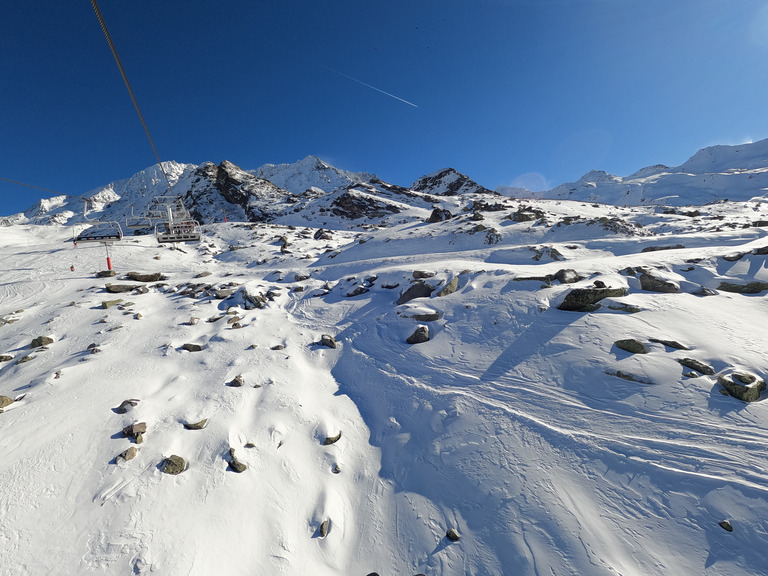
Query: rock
column 324, row 528
column 431, row 316
column 586, row 299
column 126, row 406
column 336, row 469
column 297, row 277
column 449, row 288
column 234, row 320
column 734, row 257
column 253, row 298
column 139, row 438
column 129, row 454
column 106, row 274
column 24, row 359
column 152, row 277
column 277, row 347
column 192, row 347
column 453, row 535
column 655, row 284
column 421, row 274
column 173, row 465
column 657, row 248
column 704, row 291
column 599, row 284
column 237, row 381
column 671, row 343
column 359, row 290
column 202, row 274
column 628, row 308
column 726, row 525
column 328, row 340
column 567, row 276
column 692, row 374
column 439, row 215
column 416, row 290
column 746, row 387
column 110, row 303
column 41, row 341
column 133, row 430
column 748, row 288
column 629, row 377
column 632, row 346
column 236, row 464
column 694, row 364
column 197, row 425
column 5, row 401
column 332, row 439
column 420, row 335
column 5, row 358
column 119, row 288
column 137, row 316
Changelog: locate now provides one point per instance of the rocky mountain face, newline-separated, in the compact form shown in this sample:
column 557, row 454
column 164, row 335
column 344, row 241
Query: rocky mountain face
column 311, row 192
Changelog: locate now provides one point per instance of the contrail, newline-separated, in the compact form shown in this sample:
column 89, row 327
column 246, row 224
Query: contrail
column 347, row 76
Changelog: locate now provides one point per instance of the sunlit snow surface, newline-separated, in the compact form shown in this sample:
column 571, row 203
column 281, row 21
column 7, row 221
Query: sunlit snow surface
column 504, row 426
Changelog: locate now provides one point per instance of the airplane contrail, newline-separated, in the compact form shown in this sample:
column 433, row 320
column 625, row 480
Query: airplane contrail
column 347, row 76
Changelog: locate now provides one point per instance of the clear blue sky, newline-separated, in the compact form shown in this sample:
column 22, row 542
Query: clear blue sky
column 502, row 88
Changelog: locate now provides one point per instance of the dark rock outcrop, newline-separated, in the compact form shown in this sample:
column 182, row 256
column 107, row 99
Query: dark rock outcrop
column 697, row 365
column 653, row 283
column 586, row 299
column 754, row 287
column 416, row 290
column 631, row 345
column 420, row 335
column 41, row 341
column 746, row 387
column 173, row 465
column 328, row 340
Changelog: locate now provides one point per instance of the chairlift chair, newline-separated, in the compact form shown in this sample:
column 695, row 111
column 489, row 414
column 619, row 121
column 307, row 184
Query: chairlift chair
column 137, row 222
column 187, row 230
column 103, row 232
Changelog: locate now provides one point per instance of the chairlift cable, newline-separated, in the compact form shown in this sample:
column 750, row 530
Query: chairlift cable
column 38, row 188
column 128, row 85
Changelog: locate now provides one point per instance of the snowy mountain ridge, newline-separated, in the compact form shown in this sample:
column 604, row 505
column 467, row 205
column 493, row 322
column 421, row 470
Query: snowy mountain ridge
column 307, row 190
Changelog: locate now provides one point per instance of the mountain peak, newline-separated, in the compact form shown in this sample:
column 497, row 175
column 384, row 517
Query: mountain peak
column 448, row 182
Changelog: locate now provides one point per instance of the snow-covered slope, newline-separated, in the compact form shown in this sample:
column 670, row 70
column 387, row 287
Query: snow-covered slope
column 310, row 172
column 525, row 428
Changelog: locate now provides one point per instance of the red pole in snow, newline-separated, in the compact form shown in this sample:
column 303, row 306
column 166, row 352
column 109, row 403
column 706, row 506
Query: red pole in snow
column 109, row 260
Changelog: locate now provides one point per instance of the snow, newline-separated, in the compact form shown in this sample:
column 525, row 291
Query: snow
column 507, row 425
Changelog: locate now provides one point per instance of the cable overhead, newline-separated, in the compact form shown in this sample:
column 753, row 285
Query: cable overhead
column 128, row 85
column 37, row 188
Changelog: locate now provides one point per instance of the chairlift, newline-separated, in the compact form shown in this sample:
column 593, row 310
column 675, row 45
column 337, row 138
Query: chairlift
column 104, row 232
column 137, row 222
column 178, row 231
column 180, row 227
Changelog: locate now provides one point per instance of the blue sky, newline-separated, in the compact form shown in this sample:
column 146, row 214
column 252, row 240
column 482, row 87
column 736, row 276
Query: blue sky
column 505, row 91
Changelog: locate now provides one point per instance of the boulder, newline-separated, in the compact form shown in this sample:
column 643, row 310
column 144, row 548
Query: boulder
column 190, row 347
column 106, row 274
column 439, row 215
column 420, row 335
column 41, row 341
column 694, row 364
column 748, row 288
column 133, row 430
column 5, row 358
column 416, row 290
column 129, row 454
column 328, row 340
column 357, row 291
column 236, row 464
column 631, row 345
column 655, row 284
column 5, row 401
column 726, row 525
column 586, row 299
column 119, row 288
column 151, row 277
column 567, row 276
column 746, row 387
column 237, row 381
column 671, row 343
column 196, row 425
column 421, row 274
column 453, row 535
column 324, row 528
column 450, row 287
column 173, row 465
column 126, row 406
column 332, row 439
column 110, row 303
